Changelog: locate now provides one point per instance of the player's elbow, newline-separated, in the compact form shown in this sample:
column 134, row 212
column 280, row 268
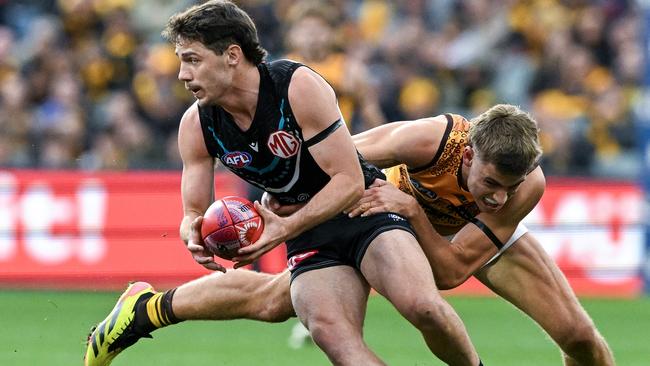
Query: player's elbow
column 447, row 280
column 357, row 191
column 354, row 188
column 450, row 270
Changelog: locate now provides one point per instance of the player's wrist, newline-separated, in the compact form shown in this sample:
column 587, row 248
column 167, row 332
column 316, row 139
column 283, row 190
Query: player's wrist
column 412, row 209
column 185, row 237
column 185, row 228
column 292, row 225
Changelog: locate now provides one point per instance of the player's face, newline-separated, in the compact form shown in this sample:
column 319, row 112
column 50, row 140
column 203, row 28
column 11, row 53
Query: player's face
column 205, row 74
column 491, row 189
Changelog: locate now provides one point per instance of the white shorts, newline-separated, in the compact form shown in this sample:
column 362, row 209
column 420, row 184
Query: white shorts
column 519, row 232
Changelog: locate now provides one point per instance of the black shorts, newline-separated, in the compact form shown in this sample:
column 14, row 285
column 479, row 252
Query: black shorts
column 339, row 241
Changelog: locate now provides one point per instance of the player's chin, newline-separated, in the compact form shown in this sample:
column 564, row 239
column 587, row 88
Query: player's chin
column 203, row 99
column 202, row 102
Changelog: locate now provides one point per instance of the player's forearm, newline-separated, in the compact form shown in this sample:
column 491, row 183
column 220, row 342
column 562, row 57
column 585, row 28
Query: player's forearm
column 372, row 145
column 340, row 192
column 446, row 259
column 373, row 154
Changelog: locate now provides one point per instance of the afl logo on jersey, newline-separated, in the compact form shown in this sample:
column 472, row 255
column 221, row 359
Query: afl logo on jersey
column 283, row 144
column 237, row 159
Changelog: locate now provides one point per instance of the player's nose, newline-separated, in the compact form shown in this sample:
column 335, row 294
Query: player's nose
column 184, row 74
column 500, row 197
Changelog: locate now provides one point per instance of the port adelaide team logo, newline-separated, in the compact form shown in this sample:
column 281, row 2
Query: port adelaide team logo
column 283, row 144
column 237, row 159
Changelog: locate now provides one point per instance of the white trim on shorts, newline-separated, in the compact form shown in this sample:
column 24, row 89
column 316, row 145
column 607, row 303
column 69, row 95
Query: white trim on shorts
column 519, row 232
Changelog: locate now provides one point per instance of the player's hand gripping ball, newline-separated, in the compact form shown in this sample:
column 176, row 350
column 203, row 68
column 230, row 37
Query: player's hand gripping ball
column 230, row 223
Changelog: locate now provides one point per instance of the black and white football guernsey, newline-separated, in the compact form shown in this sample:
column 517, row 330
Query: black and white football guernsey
column 272, row 154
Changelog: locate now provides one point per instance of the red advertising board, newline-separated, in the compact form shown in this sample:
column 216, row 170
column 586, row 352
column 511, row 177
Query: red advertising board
column 90, row 230
column 593, row 230
column 100, row 230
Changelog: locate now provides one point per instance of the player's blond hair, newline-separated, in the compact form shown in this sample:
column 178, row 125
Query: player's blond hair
column 507, row 137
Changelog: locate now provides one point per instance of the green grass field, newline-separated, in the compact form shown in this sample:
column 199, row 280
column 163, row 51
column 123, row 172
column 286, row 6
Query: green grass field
column 48, row 328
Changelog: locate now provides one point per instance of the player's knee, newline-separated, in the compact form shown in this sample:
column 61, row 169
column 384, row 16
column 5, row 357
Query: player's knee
column 327, row 334
column 426, row 312
column 448, row 282
column 277, row 311
column 581, row 339
column 324, row 332
column 447, row 278
column 277, row 307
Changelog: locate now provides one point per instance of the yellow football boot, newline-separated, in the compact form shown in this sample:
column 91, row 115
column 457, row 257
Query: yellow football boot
column 115, row 333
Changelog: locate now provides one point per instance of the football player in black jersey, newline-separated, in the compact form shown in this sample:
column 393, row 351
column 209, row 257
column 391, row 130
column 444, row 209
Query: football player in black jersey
column 281, row 120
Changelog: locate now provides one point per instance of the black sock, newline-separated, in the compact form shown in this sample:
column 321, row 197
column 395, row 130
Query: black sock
column 154, row 311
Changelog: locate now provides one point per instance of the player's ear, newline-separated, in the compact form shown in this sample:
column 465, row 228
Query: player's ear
column 234, row 54
column 468, row 155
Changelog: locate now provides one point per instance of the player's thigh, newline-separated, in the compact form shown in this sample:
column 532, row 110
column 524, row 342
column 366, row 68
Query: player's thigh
column 330, row 295
column 527, row 276
column 395, row 266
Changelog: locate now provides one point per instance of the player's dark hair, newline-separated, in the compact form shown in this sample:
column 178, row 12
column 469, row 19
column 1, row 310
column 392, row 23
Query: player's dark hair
column 217, row 25
column 507, row 137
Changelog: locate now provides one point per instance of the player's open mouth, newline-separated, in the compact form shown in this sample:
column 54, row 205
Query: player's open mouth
column 195, row 90
column 491, row 205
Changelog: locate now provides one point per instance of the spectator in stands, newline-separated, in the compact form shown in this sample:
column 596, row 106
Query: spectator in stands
column 313, row 40
column 16, row 121
column 389, row 60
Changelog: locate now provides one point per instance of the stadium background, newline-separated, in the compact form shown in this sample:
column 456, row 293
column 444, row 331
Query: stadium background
column 89, row 169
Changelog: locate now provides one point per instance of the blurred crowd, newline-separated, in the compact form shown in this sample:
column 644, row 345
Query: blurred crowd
column 90, row 84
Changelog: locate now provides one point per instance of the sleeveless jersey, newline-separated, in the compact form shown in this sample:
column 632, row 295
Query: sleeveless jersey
column 437, row 186
column 272, row 154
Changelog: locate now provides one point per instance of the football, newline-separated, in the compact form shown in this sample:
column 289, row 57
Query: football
column 230, row 223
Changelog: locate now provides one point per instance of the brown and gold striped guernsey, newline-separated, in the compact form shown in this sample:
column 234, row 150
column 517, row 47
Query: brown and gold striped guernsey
column 437, row 186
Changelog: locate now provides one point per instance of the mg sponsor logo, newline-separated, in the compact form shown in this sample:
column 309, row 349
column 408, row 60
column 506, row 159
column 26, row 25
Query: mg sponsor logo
column 283, row 144
column 237, row 159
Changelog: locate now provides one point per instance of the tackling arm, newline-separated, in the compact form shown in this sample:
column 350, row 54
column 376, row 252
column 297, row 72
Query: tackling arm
column 413, row 143
column 471, row 248
column 453, row 262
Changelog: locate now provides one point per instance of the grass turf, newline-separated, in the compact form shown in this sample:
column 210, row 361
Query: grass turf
column 49, row 328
